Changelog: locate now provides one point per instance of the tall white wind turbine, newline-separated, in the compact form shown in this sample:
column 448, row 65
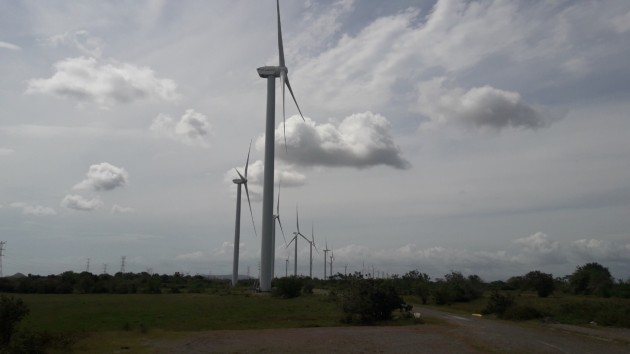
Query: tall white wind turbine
column 241, row 181
column 271, row 73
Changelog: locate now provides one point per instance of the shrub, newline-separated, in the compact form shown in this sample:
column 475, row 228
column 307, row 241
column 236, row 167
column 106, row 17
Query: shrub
column 591, row 279
column 498, row 303
column 12, row 311
column 308, row 288
column 521, row 313
column 287, row 288
column 367, row 300
column 541, row 282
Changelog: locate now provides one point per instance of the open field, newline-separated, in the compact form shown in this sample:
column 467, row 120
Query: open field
column 175, row 312
column 248, row 322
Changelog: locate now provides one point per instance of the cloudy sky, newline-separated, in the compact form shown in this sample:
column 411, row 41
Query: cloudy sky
column 487, row 137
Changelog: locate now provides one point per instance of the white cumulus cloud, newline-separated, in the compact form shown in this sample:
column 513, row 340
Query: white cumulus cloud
column 361, row 140
column 600, row 250
column 479, row 107
column 104, row 176
column 122, row 209
column 191, row 129
column 106, row 84
column 285, row 174
column 193, row 256
column 9, row 46
column 81, row 40
column 77, row 202
column 36, row 210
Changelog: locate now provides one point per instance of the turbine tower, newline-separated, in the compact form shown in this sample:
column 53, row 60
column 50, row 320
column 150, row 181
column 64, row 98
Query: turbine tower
column 325, row 258
column 242, row 180
column 271, row 73
column 295, row 238
column 332, row 258
column 312, row 243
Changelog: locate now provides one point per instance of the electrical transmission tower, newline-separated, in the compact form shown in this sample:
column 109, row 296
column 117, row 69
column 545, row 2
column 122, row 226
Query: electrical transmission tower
column 122, row 264
column 87, row 267
column 1, row 249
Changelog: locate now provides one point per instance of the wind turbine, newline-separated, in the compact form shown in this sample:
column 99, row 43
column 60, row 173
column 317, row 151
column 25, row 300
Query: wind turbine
column 295, row 239
column 276, row 216
column 312, row 243
column 242, row 180
column 271, row 73
column 332, row 258
column 325, row 258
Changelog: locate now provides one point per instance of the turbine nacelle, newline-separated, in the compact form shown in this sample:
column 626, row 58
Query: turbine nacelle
column 271, row 71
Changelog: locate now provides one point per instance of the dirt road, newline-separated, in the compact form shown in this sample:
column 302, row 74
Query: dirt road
column 458, row 334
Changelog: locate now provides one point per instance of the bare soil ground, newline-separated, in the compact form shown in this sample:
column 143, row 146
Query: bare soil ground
column 456, row 334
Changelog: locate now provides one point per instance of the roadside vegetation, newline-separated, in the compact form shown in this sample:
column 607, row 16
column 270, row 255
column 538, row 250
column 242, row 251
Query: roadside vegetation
column 43, row 313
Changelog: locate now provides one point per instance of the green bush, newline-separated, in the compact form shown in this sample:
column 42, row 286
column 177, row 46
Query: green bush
column 287, row 288
column 367, row 300
column 12, row 311
column 521, row 313
column 498, row 303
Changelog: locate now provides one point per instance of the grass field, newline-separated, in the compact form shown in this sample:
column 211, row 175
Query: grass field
column 176, row 312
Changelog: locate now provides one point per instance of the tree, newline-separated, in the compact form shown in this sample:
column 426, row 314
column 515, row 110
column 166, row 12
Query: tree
column 369, row 300
column 541, row 282
column 12, row 311
column 591, row 279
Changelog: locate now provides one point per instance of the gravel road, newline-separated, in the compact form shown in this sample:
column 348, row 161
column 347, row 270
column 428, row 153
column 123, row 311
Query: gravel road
column 457, row 334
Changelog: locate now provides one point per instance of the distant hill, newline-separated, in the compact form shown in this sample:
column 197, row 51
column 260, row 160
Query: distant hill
column 17, row 276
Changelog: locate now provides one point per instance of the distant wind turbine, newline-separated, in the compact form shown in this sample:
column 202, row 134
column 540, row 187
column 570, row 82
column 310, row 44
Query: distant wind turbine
column 312, row 242
column 242, row 180
column 271, row 73
column 325, row 258
column 276, row 216
column 295, row 239
column 332, row 258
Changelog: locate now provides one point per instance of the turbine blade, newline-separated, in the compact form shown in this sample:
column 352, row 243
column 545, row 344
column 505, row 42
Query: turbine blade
column 297, row 219
column 283, row 77
column 240, row 175
column 294, row 100
column 313, row 237
column 280, row 223
column 278, row 203
column 280, row 47
column 250, row 208
column 290, row 242
column 247, row 162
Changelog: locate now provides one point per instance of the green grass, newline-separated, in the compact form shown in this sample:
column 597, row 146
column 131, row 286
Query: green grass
column 564, row 308
column 175, row 312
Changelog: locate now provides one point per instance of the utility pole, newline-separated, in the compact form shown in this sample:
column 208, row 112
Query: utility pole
column 122, row 264
column 1, row 249
column 87, row 267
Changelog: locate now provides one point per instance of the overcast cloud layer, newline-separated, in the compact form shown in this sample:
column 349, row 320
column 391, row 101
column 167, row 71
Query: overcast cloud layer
column 489, row 137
